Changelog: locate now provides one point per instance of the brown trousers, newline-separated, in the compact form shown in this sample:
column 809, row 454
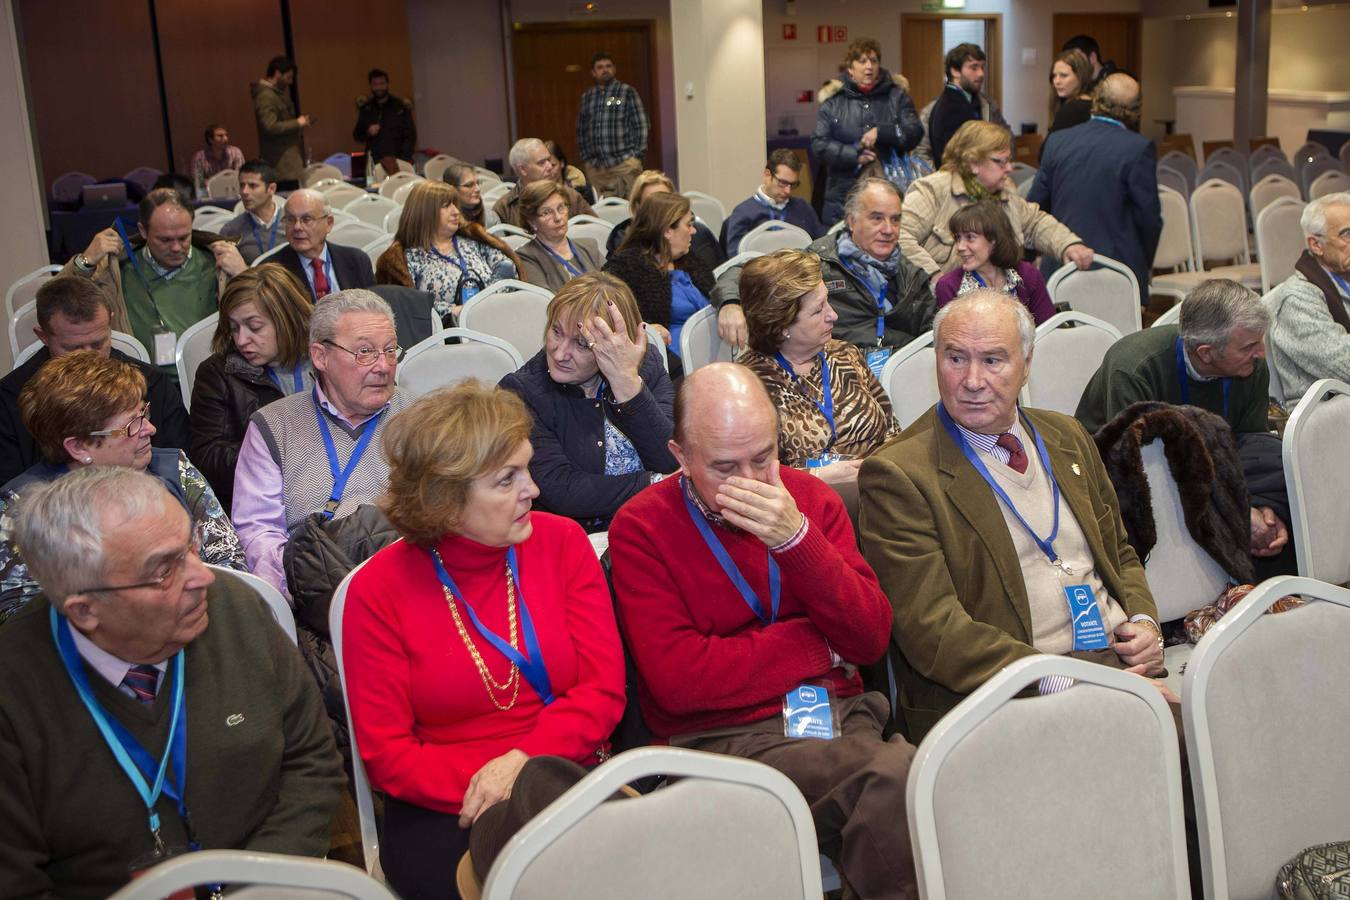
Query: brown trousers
column 854, row 785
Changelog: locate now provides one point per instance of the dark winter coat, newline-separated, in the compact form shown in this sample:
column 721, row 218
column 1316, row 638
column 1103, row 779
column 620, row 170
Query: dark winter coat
column 226, row 394
column 650, row 284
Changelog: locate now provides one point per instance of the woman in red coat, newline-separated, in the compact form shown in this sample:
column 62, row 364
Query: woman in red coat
column 482, row 640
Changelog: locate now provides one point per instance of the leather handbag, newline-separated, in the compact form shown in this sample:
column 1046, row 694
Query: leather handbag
column 1318, row 873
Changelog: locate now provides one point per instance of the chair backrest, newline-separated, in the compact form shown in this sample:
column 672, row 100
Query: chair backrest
column 210, row 218
column 434, row 170
column 1024, row 189
column 597, row 231
column 1344, row 155
column 325, row 183
column 512, row 310
column 1264, row 153
column 376, row 248
column 1107, row 291
column 267, row 257
column 143, row 177
column 1228, row 155
column 1269, row 189
column 365, row 804
column 1171, row 178
column 582, row 847
column 1181, row 576
column 339, row 217
column 284, row 876
column 356, row 234
column 316, row 172
column 1319, row 511
column 1225, row 171
column 1022, row 172
column 391, row 220
column 1069, row 348
column 341, row 194
column 1034, row 760
column 708, row 208
column 1219, row 222
column 1329, row 182
column 1279, row 240
column 655, row 339
column 393, row 183
column 487, row 178
column 504, row 230
column 699, row 342
column 766, row 237
column 1174, row 244
column 194, row 346
column 400, row 195
column 492, row 194
column 739, row 259
column 1315, row 168
column 1310, row 150
column 1273, row 166
column 69, row 188
column 21, row 325
column 1265, row 736
column 1274, row 386
column 432, row 363
column 130, row 346
column 910, row 379
column 612, row 209
column 25, row 289
column 371, row 208
column 276, row 603
column 342, row 162
column 223, row 185
column 1181, row 162
column 1171, row 316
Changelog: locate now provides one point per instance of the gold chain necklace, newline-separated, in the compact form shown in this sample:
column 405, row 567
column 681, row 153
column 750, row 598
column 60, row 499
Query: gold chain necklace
column 512, row 681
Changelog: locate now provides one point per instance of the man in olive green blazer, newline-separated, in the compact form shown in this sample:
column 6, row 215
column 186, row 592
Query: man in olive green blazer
column 933, row 530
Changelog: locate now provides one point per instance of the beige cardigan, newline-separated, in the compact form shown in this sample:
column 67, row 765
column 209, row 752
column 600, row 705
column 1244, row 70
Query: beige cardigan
column 926, row 241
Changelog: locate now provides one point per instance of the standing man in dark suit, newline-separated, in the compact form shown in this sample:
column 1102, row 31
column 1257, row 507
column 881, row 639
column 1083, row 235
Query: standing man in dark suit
column 323, row 266
column 1101, row 180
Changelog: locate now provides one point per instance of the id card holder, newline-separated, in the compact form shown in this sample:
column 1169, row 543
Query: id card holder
column 1088, row 631
column 143, row 864
column 166, row 343
column 822, row 460
column 809, row 712
column 876, row 360
column 467, row 294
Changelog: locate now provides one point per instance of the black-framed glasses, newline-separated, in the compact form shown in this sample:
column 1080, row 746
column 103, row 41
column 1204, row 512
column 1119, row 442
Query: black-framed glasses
column 366, row 356
column 789, row 185
column 306, row 220
column 129, row 430
column 164, row 577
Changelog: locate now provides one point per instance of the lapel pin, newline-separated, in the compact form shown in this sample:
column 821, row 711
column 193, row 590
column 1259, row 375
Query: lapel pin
column 1076, row 470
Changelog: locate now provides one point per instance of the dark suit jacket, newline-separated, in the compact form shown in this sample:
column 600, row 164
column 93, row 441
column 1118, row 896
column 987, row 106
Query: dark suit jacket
column 1102, row 181
column 350, row 265
column 933, row 531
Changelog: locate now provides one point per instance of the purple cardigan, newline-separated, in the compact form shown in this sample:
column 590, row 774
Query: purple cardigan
column 1031, row 291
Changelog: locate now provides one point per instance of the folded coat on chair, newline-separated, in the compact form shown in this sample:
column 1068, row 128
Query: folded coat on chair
column 1203, row 458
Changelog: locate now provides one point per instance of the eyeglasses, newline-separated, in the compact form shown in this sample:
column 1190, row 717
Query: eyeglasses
column 129, row 430
column 164, row 578
column 1002, row 162
column 790, row 185
column 305, row 220
column 366, row 356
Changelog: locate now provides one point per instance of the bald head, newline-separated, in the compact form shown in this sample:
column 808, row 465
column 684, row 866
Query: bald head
column 725, row 426
column 1117, row 96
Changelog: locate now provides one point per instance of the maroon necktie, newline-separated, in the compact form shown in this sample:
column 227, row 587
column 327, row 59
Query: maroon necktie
column 320, row 278
column 1017, row 457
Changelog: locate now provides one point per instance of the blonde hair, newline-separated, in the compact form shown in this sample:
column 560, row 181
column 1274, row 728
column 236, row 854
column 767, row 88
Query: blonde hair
column 588, row 295
column 646, row 179
column 772, row 288
column 973, row 143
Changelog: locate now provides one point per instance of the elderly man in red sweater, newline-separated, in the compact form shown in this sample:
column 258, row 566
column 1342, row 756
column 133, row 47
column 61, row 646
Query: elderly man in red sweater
column 747, row 608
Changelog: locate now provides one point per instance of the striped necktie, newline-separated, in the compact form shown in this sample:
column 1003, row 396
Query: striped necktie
column 142, row 680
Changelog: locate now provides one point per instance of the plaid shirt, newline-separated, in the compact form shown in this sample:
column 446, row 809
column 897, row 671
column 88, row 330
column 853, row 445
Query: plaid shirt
column 611, row 125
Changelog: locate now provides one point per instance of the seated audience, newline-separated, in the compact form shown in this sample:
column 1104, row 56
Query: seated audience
column 121, row 633
column 552, row 258
column 532, row 162
column 322, row 266
column 648, row 182
column 317, row 452
column 464, row 179
column 601, row 402
column 738, row 585
column 1070, row 90
column 991, row 258
column 568, row 174
column 258, row 227
column 975, row 167
column 466, row 735
column 157, row 286
column 668, row 282
column 832, row 411
column 73, row 314
column 1310, row 310
column 975, row 583
column 259, row 354
column 217, row 156
column 435, row 251
column 772, row 202
column 83, row 410
column 882, row 300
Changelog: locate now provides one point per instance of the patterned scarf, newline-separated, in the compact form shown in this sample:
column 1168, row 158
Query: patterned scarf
column 876, row 272
column 978, row 191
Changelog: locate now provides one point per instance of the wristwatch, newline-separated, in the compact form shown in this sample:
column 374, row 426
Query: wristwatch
column 82, row 263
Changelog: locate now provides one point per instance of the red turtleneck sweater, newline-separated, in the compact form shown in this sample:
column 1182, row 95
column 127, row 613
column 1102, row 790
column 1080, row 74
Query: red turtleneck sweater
column 423, row 719
column 704, row 659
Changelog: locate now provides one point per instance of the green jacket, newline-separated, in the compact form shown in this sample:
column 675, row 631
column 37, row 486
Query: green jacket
column 281, row 140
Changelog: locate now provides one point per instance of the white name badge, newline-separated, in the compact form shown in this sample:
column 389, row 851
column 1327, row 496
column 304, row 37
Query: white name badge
column 808, row 712
column 1088, row 631
column 166, row 343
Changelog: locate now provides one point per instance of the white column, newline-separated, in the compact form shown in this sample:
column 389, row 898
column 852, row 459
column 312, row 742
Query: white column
column 719, row 96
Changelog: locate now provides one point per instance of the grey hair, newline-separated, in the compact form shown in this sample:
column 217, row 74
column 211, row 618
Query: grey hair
column 986, row 298
column 313, row 196
column 1211, row 312
column 853, row 202
column 520, row 152
column 60, row 526
column 1314, row 218
column 323, row 324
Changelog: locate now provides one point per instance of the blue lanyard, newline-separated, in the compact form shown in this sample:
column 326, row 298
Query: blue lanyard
column 340, row 476
column 1108, row 120
column 827, row 392
column 1340, row 283
column 880, row 297
column 136, row 265
column 729, row 565
column 1184, row 378
column 533, row 668
column 458, row 259
column 134, row 759
column 297, row 376
column 1047, row 544
column 271, row 237
column 778, row 215
column 573, row 270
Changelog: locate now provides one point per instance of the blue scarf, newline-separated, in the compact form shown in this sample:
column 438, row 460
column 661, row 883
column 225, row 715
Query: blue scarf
column 876, row 272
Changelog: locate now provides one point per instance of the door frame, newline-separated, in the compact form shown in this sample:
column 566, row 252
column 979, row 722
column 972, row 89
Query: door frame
column 993, row 52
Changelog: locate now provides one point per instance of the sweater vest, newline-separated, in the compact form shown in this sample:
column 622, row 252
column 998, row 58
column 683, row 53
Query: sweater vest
column 292, row 435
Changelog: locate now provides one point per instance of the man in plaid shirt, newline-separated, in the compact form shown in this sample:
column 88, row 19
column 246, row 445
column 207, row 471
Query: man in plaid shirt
column 611, row 130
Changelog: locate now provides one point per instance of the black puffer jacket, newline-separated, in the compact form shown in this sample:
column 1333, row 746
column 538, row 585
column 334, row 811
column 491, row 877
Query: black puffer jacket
column 651, row 285
column 705, row 245
column 225, row 395
column 845, row 113
column 909, row 293
column 317, row 557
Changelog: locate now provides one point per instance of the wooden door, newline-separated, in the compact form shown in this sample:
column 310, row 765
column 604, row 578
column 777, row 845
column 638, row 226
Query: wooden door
column 551, row 64
column 1117, row 33
column 921, row 57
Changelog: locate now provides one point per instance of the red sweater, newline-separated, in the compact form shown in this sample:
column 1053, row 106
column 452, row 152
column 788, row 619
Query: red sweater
column 423, row 720
column 704, row 659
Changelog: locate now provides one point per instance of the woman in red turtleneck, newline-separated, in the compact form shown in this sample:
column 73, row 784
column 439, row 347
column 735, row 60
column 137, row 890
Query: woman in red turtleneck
column 481, row 640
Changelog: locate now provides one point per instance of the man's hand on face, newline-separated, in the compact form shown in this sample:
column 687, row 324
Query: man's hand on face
column 763, row 508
